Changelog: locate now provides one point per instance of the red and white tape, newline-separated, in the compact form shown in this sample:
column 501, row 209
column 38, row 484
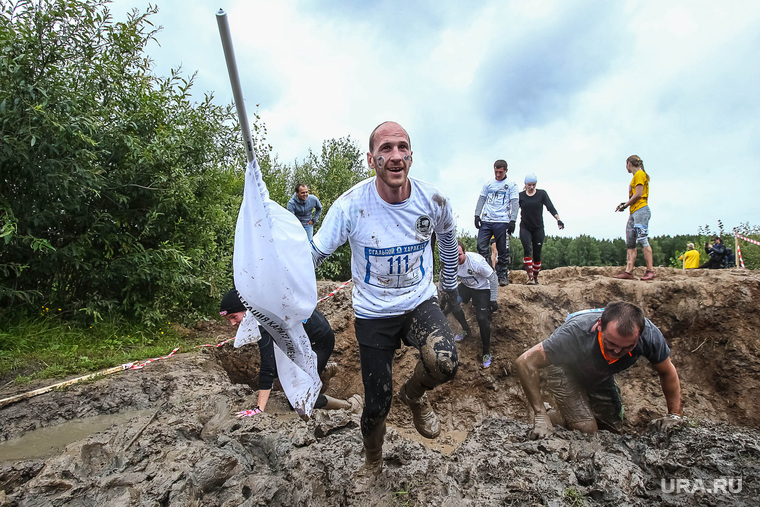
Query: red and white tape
column 217, row 345
column 748, row 239
column 333, row 292
column 137, row 366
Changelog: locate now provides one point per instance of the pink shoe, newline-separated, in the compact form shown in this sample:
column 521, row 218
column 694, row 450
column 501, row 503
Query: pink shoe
column 625, row 275
column 649, row 275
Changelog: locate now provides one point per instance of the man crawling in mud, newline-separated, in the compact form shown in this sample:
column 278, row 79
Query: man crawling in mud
column 388, row 220
column 580, row 360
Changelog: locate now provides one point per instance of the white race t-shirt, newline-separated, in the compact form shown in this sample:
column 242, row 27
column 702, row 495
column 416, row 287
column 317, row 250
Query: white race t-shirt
column 499, row 195
column 391, row 254
column 474, row 271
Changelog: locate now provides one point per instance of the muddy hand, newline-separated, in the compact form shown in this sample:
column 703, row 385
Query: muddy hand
column 663, row 424
column 451, row 300
column 542, row 427
column 620, row 207
column 248, row 413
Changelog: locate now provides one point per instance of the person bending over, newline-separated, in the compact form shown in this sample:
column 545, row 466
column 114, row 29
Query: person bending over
column 322, row 341
column 580, row 360
column 477, row 283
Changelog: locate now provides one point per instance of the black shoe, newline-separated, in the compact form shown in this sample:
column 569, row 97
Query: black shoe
column 503, row 281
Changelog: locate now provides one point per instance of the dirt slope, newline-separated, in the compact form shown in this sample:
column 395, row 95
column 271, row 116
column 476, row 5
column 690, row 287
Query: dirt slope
column 177, row 443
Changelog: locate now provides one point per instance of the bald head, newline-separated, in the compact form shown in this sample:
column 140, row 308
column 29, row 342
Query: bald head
column 386, row 124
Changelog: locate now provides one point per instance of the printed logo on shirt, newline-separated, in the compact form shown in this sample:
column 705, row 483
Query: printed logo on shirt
column 423, row 225
column 470, row 272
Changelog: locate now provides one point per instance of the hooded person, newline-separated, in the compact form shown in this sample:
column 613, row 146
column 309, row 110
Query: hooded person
column 322, row 341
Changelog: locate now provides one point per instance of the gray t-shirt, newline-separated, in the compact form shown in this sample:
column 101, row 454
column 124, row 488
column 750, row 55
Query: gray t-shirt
column 575, row 347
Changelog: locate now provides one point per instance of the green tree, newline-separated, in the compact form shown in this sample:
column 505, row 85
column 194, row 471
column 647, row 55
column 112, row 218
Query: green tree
column 612, row 253
column 277, row 178
column 339, row 166
column 118, row 192
column 583, row 251
column 750, row 252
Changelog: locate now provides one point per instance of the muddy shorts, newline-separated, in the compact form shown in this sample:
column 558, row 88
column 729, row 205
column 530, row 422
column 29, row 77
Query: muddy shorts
column 424, row 328
column 637, row 228
column 578, row 402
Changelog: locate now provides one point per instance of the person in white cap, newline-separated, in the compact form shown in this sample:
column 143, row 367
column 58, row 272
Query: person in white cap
column 532, row 202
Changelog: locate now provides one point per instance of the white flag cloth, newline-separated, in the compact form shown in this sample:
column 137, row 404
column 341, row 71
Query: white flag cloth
column 275, row 279
column 247, row 331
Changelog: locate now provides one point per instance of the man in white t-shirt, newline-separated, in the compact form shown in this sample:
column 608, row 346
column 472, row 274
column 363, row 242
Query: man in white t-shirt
column 477, row 283
column 389, row 221
column 496, row 215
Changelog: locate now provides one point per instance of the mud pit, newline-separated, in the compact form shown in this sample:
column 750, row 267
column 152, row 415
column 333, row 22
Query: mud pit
column 176, row 441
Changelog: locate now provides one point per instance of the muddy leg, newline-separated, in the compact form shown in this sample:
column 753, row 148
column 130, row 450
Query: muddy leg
column 378, row 394
column 431, row 335
column 354, row 403
column 572, row 400
column 326, row 375
column 373, row 450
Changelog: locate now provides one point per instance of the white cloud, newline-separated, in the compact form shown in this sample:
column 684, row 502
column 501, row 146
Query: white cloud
column 567, row 91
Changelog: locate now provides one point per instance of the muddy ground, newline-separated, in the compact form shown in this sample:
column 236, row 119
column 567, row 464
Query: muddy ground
column 167, row 435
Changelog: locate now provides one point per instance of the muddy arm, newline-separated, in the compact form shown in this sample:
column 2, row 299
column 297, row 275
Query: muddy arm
column 263, row 398
column 528, row 366
column 671, row 386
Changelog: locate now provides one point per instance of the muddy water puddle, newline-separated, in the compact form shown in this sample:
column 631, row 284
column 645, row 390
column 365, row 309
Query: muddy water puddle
column 45, row 442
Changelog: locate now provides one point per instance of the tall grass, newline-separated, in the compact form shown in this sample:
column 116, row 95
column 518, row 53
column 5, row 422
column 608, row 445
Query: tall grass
column 47, row 346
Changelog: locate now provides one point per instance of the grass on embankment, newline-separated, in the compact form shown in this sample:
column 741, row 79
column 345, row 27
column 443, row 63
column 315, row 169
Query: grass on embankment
column 47, row 347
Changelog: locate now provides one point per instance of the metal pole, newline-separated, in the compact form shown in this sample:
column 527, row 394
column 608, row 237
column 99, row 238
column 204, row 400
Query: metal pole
column 237, row 92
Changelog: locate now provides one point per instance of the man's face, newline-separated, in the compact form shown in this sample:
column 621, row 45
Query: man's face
column 391, row 157
column 499, row 173
column 616, row 345
column 303, row 192
column 235, row 318
column 462, row 256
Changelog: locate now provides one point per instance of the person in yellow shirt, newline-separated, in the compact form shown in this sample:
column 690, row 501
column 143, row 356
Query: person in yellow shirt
column 690, row 257
column 637, row 228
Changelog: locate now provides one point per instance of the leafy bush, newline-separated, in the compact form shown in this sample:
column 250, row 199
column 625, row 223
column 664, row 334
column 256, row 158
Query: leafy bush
column 118, row 192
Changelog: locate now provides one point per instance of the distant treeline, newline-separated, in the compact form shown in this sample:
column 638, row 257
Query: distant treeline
column 587, row 251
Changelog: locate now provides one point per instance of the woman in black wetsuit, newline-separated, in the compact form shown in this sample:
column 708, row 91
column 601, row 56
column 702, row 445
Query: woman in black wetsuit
column 532, row 202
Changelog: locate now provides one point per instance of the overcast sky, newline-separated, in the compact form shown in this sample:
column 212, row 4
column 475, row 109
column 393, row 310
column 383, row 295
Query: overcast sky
column 566, row 90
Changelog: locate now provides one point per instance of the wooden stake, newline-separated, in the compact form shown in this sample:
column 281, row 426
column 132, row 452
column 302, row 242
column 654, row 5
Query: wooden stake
column 43, row 390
